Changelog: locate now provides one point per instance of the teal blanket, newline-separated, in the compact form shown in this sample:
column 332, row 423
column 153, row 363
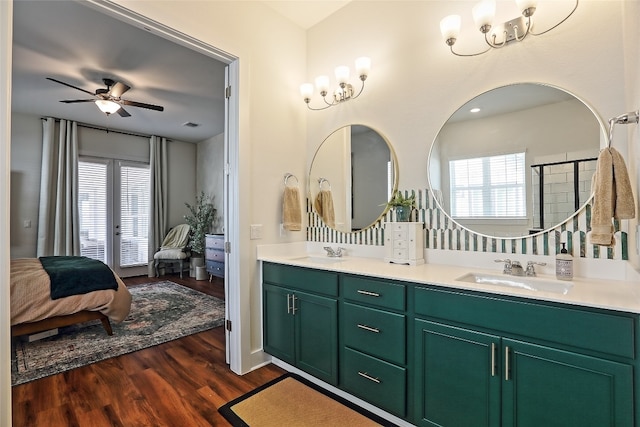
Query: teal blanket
column 75, row 275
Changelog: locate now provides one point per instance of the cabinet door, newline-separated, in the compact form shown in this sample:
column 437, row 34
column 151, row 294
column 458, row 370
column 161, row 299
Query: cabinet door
column 316, row 320
column 549, row 387
column 278, row 323
column 457, row 376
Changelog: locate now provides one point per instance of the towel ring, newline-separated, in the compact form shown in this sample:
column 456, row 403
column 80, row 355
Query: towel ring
column 287, row 176
column 324, row 181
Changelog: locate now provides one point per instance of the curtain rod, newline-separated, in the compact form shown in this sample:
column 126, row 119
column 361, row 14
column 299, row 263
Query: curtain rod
column 86, row 125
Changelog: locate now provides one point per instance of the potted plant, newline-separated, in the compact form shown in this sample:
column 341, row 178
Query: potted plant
column 200, row 219
column 403, row 206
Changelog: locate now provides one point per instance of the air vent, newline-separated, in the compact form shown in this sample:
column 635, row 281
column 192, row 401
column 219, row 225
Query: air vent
column 190, row 125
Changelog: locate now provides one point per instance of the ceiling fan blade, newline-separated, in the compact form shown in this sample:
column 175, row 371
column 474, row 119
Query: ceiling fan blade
column 71, row 86
column 142, row 105
column 123, row 113
column 118, row 89
column 73, row 101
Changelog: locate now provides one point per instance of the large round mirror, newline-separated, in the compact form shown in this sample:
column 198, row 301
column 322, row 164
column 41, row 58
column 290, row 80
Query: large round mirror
column 516, row 160
column 352, row 175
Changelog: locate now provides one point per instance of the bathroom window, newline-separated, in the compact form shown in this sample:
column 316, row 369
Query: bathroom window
column 488, row 187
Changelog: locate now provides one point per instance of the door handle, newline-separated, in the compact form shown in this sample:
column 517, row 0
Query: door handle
column 506, row 363
column 493, row 359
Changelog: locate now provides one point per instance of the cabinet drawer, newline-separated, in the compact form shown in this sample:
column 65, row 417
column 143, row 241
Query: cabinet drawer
column 304, row 279
column 214, row 255
column 376, row 381
column 214, row 241
column 376, row 332
column 374, row 292
column 398, row 227
column 400, row 235
column 599, row 331
column 400, row 244
column 215, row 268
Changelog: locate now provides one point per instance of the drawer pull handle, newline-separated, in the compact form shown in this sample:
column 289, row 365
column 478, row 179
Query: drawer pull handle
column 369, row 328
column 506, row 363
column 493, row 359
column 288, row 303
column 369, row 377
column 368, row 293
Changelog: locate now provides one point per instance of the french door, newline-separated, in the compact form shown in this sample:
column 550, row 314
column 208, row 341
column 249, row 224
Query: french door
column 114, row 213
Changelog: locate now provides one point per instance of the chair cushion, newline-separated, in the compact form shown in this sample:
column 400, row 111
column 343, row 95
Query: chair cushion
column 170, row 254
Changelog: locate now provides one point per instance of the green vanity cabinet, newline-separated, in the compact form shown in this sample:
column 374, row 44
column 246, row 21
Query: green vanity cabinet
column 440, row 356
column 373, row 327
column 519, row 373
column 301, row 327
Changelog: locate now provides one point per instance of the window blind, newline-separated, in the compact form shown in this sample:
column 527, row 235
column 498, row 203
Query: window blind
column 489, row 187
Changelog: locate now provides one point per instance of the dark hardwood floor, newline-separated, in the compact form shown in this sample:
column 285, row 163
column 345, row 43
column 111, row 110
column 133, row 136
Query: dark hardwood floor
column 180, row 383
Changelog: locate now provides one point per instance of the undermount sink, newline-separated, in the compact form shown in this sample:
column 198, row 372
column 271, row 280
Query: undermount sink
column 530, row 283
column 319, row 259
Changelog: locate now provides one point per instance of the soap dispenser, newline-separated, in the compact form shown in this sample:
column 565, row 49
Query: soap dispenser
column 564, row 264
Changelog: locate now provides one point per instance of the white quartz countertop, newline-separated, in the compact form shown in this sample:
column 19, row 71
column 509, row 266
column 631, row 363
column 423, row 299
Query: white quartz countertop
column 616, row 295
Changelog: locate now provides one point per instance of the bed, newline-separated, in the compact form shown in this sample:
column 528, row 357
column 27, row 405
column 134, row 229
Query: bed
column 33, row 309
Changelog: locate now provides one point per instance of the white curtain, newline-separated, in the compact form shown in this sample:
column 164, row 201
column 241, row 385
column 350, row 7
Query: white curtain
column 159, row 208
column 58, row 217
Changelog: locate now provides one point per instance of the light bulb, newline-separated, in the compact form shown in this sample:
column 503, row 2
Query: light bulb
column 306, row 90
column 363, row 66
column 450, row 28
column 342, row 74
column 483, row 14
column 322, row 84
column 106, row 106
column 527, row 7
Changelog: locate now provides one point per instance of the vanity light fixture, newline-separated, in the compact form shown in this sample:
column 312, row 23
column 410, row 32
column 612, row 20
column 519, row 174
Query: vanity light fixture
column 344, row 92
column 496, row 37
column 106, row 106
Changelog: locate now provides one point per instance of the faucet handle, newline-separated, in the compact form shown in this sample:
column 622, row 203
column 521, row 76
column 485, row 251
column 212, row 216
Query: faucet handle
column 507, row 265
column 329, row 250
column 531, row 270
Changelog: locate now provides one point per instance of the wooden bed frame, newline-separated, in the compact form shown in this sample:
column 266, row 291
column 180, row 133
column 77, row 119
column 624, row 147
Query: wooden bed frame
column 60, row 321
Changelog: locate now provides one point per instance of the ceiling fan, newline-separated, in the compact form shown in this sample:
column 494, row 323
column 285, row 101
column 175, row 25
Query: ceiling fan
column 108, row 99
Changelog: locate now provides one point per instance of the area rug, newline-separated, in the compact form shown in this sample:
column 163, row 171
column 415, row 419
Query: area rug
column 160, row 312
column 291, row 400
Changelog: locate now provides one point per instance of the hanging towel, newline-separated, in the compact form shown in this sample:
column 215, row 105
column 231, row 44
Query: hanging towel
column 613, row 197
column 324, row 207
column 625, row 204
column 291, row 212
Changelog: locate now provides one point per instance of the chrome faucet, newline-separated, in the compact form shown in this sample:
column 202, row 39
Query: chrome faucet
column 507, row 265
column 334, row 253
column 516, row 269
column 531, row 271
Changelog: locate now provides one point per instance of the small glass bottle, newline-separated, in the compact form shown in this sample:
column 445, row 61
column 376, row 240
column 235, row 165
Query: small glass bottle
column 564, row 264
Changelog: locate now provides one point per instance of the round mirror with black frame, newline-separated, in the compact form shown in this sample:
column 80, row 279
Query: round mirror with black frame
column 516, row 160
column 352, row 175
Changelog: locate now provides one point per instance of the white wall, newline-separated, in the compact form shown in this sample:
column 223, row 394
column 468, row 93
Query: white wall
column 210, row 174
column 416, row 83
column 272, row 55
column 26, row 157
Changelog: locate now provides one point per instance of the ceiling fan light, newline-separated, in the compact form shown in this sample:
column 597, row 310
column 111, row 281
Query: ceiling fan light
column 106, row 106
